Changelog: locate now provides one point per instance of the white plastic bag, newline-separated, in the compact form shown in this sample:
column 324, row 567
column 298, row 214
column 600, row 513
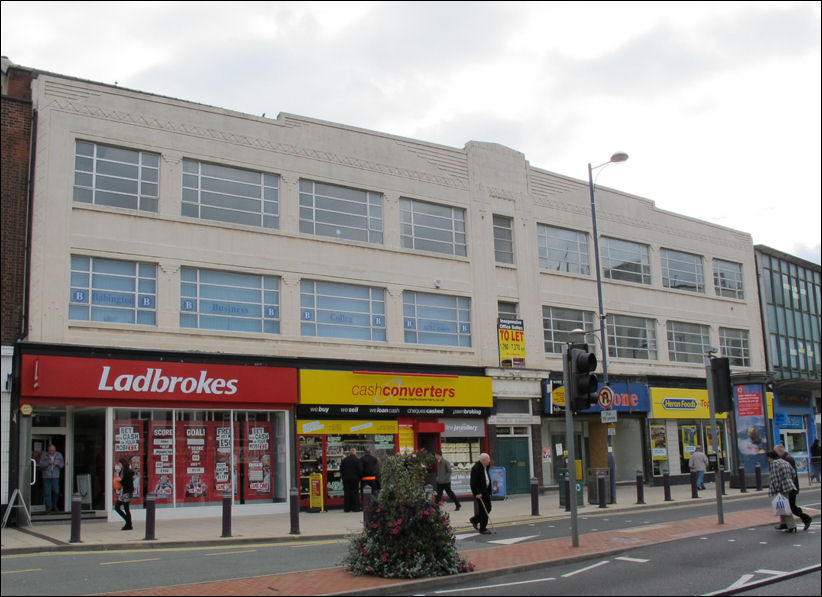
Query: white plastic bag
column 780, row 505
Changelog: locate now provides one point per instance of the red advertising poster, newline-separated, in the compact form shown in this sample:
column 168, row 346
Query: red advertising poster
column 161, row 460
column 258, row 461
column 128, row 444
column 748, row 403
column 193, row 470
column 225, row 440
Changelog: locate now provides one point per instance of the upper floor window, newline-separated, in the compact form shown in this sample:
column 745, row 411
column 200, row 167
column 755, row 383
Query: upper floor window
column 563, row 250
column 113, row 290
column 624, row 260
column 335, row 310
column 728, row 279
column 227, row 194
column 733, row 344
column 506, row 310
column 436, row 319
column 503, row 239
column 340, row 212
column 682, row 271
column 687, row 342
column 631, row 337
column 431, row 227
column 230, row 301
column 117, row 177
column 558, row 322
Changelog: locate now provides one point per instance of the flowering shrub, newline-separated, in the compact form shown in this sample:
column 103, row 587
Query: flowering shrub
column 407, row 535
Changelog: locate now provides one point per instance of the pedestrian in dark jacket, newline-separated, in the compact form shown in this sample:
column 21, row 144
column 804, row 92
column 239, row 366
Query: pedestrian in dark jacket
column 781, row 481
column 351, row 473
column 370, row 472
column 481, row 490
column 126, row 491
column 444, row 479
column 784, row 455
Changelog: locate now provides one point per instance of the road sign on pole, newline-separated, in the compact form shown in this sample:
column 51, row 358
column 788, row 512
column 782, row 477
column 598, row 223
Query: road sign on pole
column 606, row 397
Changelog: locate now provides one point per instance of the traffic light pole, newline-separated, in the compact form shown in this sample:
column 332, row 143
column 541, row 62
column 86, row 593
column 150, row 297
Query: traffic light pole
column 715, row 430
column 569, row 440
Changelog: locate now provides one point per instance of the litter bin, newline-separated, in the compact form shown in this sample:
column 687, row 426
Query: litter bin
column 580, row 501
column 593, row 485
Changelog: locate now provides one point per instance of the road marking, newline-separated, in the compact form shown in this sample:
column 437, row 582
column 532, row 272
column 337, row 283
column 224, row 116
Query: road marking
column 592, row 566
column 465, row 536
column 21, row 571
column 223, row 553
column 129, row 561
column 507, row 584
column 637, row 560
column 513, row 540
column 766, row 571
column 742, row 580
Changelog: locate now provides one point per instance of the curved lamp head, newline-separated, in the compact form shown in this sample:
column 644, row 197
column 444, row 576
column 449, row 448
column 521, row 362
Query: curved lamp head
column 619, row 156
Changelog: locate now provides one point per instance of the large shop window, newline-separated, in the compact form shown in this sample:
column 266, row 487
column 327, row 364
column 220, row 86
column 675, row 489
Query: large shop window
column 689, row 434
column 192, row 457
column 462, row 453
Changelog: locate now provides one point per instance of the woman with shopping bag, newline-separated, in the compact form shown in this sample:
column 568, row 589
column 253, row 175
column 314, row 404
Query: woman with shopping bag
column 780, row 488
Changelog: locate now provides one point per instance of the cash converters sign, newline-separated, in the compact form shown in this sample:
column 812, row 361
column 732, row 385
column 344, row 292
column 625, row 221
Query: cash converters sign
column 679, row 403
column 367, row 388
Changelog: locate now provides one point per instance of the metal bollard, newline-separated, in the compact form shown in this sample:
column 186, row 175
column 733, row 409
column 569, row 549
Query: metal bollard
column 534, row 496
column 666, row 484
column 742, row 484
column 601, row 489
column 567, row 492
column 151, row 510
column 694, row 490
column 294, row 503
column 640, row 489
column 758, row 472
column 366, row 503
column 722, row 479
column 227, row 514
column 76, row 517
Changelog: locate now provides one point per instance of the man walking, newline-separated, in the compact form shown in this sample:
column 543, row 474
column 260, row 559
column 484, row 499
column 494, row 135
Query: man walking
column 444, row 479
column 699, row 463
column 370, row 471
column 784, row 455
column 481, row 490
column 51, row 462
column 351, row 473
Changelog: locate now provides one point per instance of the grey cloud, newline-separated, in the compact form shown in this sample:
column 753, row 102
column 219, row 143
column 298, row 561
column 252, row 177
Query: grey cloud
column 812, row 253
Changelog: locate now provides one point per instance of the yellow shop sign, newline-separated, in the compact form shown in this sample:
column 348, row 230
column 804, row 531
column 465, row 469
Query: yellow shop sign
column 679, row 403
column 366, row 389
column 346, row 427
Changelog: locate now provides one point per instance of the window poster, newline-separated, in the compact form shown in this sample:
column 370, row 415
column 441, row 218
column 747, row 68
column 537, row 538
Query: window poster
column 659, row 443
column 161, row 460
column 128, row 444
column 225, row 441
column 689, row 439
column 193, row 470
column 257, row 458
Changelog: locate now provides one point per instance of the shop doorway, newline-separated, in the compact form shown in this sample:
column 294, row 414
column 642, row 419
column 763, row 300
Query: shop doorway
column 513, row 455
column 39, row 446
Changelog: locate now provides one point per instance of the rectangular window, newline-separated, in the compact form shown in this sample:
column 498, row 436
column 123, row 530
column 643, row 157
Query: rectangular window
column 333, row 310
column 117, row 177
column 728, row 279
column 507, row 310
column 624, row 260
column 687, row 342
column 557, row 324
column 733, row 344
column 230, row 301
column 436, row 319
column 340, row 212
column 114, row 291
column 233, row 195
column 430, row 227
column 631, row 337
column 503, row 239
column 682, row 271
column 563, row 250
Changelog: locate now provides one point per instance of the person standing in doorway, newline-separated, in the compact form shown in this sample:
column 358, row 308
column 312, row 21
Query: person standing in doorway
column 126, row 491
column 444, row 479
column 51, row 462
column 784, row 455
column 481, row 490
column 699, row 463
column 351, row 473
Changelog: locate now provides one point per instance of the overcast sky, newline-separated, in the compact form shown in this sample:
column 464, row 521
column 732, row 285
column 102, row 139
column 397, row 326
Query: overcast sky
column 717, row 104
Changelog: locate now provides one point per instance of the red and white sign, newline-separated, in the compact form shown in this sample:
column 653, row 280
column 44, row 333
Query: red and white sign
column 128, row 444
column 606, row 397
column 748, row 403
column 116, row 380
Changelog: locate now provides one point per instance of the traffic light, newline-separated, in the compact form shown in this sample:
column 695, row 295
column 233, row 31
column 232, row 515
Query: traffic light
column 723, row 394
column 583, row 383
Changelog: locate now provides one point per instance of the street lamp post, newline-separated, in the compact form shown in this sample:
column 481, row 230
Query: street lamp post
column 619, row 156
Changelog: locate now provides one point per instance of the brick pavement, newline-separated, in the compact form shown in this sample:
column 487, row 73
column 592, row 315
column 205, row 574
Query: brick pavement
column 336, row 581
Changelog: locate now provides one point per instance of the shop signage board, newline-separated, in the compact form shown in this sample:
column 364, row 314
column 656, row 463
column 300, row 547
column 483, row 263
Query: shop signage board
column 345, row 427
column 307, row 411
column 511, row 341
column 680, row 403
column 463, row 427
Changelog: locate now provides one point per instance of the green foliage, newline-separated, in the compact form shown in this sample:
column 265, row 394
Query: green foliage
column 407, row 535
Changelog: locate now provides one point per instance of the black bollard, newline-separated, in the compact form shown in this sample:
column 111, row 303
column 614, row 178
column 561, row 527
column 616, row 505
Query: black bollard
column 294, row 503
column 758, row 472
column 534, row 496
column 227, row 514
column 151, row 509
column 666, row 484
column 694, row 489
column 601, row 489
column 722, row 479
column 743, row 488
column 366, row 503
column 567, row 492
column 76, row 517
column 640, row 489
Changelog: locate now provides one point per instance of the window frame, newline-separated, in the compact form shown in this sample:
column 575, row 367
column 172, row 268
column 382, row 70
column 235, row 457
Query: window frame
column 721, row 281
column 82, row 295
column 646, row 332
column 309, row 313
column 434, row 303
column 609, row 245
column 679, row 339
column 503, row 254
column 581, row 266
column 670, row 258
column 735, row 346
column 313, row 201
column 554, row 337
column 410, row 227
